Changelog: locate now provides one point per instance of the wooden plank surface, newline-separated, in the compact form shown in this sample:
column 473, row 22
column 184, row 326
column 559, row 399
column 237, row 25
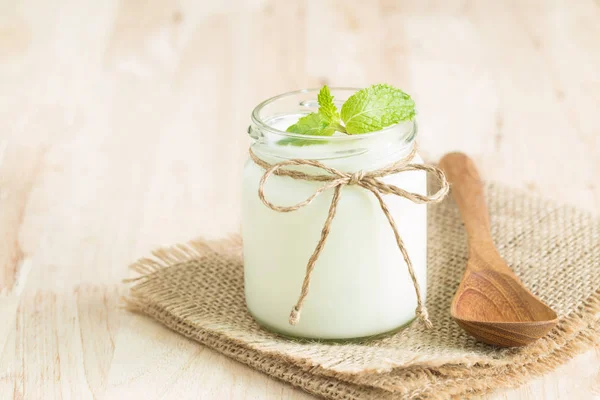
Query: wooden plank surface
column 116, row 115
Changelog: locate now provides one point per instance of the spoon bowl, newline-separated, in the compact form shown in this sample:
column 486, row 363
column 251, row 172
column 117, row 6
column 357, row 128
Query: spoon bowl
column 496, row 309
column 491, row 302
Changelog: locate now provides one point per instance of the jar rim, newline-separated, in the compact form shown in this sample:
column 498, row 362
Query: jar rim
column 262, row 125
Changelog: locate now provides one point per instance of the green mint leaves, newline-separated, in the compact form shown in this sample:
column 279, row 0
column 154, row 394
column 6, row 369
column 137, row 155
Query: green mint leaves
column 326, row 106
column 367, row 110
column 375, row 108
column 322, row 123
column 313, row 124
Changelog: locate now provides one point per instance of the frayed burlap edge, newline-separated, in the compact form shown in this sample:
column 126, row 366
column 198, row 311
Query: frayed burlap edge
column 575, row 333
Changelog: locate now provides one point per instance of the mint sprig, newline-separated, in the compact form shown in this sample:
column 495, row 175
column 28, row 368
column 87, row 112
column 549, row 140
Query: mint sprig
column 367, row 110
column 322, row 123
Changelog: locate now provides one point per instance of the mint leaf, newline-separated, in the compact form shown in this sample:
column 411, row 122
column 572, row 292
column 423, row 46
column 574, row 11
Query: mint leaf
column 312, row 124
column 326, row 107
column 322, row 123
column 375, row 108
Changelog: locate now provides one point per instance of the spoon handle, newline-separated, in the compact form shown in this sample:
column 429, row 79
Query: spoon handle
column 467, row 191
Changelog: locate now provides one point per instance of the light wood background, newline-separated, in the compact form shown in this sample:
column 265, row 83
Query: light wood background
column 116, row 115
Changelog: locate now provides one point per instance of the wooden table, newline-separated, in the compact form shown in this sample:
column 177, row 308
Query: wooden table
column 115, row 117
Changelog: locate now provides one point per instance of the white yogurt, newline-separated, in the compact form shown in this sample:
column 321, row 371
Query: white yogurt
column 360, row 285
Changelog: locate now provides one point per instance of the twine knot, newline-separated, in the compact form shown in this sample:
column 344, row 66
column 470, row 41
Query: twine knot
column 423, row 315
column 335, row 179
column 294, row 316
column 356, row 177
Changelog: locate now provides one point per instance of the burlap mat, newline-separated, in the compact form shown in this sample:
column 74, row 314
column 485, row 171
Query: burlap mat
column 196, row 289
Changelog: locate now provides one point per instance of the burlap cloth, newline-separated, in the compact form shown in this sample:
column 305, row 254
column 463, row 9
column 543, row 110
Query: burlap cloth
column 196, row 289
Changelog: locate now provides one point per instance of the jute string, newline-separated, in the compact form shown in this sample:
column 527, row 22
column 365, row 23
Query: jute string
column 369, row 180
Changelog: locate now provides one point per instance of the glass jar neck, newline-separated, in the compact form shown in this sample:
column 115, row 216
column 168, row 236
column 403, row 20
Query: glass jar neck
column 370, row 150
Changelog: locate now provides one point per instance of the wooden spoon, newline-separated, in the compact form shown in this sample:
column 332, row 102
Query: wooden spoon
column 491, row 303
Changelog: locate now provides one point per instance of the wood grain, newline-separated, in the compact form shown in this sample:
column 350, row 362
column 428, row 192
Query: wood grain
column 491, row 303
column 115, row 115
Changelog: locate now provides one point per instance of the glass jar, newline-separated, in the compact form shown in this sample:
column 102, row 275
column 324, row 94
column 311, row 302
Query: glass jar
column 360, row 286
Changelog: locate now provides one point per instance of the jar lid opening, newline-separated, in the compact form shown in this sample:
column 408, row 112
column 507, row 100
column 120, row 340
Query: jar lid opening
column 304, row 101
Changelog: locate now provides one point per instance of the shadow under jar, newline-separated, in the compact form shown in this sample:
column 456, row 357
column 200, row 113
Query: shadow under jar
column 360, row 286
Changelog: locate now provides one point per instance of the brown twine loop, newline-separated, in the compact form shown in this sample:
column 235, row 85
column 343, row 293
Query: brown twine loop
column 335, row 179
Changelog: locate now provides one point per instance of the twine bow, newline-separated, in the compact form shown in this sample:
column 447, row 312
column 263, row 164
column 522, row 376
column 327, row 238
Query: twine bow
column 335, row 179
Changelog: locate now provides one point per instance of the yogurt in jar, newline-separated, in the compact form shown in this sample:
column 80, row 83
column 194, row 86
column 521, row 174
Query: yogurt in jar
column 360, row 286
